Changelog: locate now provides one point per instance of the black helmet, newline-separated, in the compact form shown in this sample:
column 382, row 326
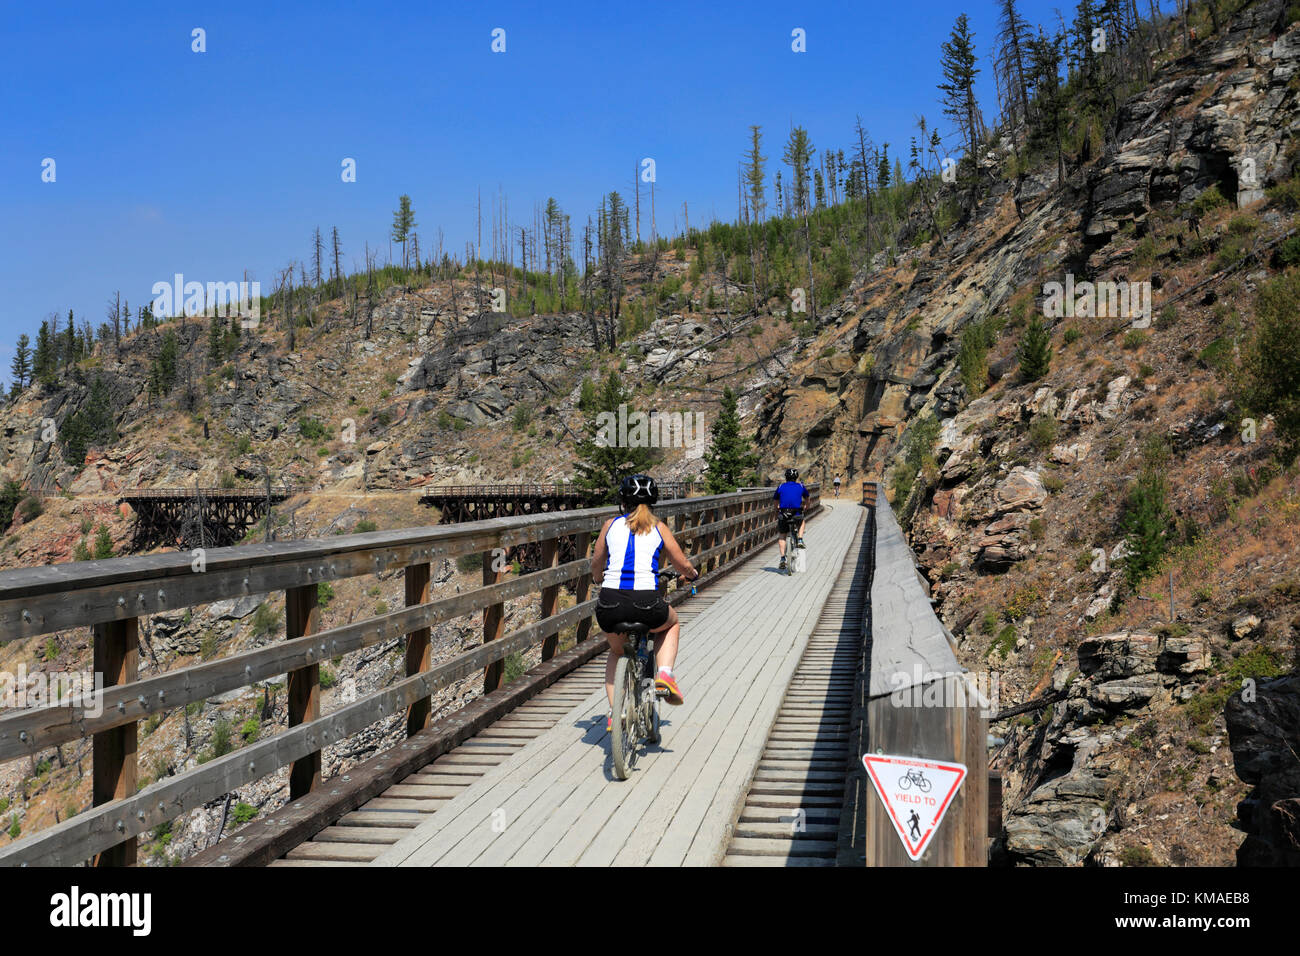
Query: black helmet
column 791, row 474
column 638, row 489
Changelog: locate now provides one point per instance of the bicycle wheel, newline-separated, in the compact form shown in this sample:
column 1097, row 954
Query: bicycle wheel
column 903, row 782
column 623, row 735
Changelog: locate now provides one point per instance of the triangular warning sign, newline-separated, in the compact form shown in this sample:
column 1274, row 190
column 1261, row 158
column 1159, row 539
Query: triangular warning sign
column 916, row 793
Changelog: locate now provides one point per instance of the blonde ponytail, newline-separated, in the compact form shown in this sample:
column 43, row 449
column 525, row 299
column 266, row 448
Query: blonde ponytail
column 642, row 520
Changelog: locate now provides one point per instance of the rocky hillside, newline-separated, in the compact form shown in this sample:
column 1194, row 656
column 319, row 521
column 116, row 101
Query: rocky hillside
column 1014, row 494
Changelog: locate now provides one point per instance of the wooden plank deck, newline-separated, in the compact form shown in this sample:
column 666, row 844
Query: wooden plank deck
column 554, row 801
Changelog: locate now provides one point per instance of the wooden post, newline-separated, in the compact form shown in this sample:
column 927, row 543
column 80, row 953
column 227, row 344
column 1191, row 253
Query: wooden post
column 550, row 595
column 948, row 733
column 582, row 587
column 417, row 646
column 113, row 753
column 494, row 620
column 302, row 617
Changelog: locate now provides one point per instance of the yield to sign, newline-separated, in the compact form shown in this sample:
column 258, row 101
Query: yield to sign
column 916, row 794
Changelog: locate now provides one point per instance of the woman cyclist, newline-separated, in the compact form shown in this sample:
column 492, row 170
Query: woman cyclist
column 626, row 559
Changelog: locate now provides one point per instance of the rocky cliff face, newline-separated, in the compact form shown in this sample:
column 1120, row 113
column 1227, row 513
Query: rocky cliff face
column 1014, row 510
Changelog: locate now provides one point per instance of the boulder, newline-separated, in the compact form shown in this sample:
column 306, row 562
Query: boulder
column 1023, row 488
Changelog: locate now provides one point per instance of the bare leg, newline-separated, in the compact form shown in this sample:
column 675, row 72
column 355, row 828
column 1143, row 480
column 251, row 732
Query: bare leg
column 611, row 662
column 666, row 641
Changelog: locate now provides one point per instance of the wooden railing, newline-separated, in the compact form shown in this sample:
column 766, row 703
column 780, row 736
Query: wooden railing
column 111, row 595
column 913, row 699
column 667, row 490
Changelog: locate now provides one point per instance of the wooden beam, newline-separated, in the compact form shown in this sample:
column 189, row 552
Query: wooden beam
column 113, row 753
column 302, row 618
column 417, row 645
column 582, row 544
column 494, row 616
column 550, row 596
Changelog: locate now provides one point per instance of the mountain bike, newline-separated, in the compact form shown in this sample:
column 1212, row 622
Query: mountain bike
column 636, row 702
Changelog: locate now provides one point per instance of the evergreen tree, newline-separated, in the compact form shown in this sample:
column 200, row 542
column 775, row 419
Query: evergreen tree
column 1269, row 380
column 729, row 459
column 1146, row 519
column 601, row 465
column 403, row 223
column 162, row 371
column 44, row 361
column 10, row 494
column 958, row 88
column 1035, row 351
column 216, row 340
column 103, row 543
column 21, row 367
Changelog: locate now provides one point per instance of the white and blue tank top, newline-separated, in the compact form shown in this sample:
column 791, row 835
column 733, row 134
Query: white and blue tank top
column 633, row 563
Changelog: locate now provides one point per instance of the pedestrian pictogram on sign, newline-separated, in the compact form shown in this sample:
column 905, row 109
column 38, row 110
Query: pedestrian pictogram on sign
column 916, row 794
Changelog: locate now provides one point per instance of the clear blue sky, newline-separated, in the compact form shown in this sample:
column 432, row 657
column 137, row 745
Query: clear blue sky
column 209, row 164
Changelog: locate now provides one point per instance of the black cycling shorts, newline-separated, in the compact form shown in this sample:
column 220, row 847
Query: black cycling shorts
column 615, row 607
column 789, row 520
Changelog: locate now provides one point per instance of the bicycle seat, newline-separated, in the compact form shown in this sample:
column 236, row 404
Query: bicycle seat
column 625, row 627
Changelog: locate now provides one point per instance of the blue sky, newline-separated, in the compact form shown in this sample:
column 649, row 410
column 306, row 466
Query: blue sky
column 212, row 163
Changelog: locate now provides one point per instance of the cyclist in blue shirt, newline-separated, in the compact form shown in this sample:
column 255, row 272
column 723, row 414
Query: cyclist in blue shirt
column 790, row 497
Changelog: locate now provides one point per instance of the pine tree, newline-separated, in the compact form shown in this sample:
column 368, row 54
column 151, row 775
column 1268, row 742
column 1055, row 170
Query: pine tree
column 44, row 360
column 1035, row 351
column 216, row 340
column 1146, row 519
column 21, row 367
column 602, row 465
column 958, row 88
column 103, row 543
column 729, row 459
column 403, row 223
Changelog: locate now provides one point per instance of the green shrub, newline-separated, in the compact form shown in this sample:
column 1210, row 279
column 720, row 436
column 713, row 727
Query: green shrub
column 1208, row 201
column 327, row 677
column 1005, row 642
column 103, row 543
column 324, row 593
column 972, row 355
column 1134, row 338
column 515, row 666
column 1072, row 335
column 208, row 646
column 244, row 812
column 1146, row 519
column 265, row 620
column 365, row 525
column 31, row 508
column 15, row 829
column 312, row 430
column 469, row 562
column 221, row 737
column 1043, row 431
column 1269, row 381
column 1035, row 351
